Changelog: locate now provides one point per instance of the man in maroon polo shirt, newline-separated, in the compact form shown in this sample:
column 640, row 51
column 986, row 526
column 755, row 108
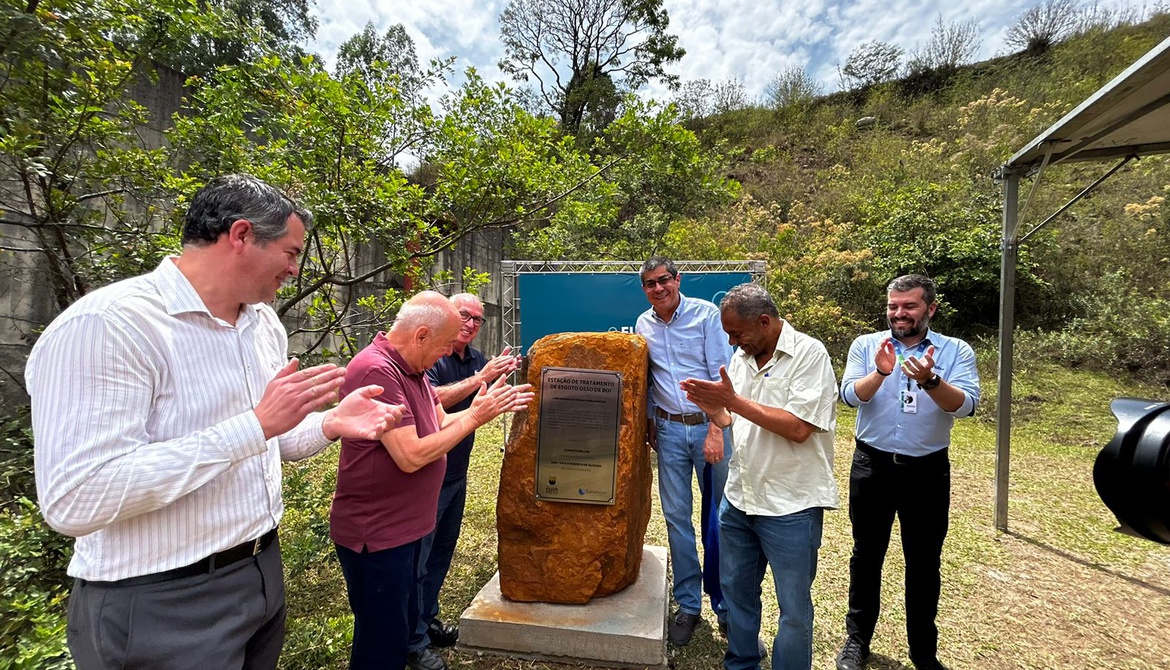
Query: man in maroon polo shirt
column 387, row 490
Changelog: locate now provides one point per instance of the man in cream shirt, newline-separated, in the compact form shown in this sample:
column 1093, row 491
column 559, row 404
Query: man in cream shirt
column 778, row 394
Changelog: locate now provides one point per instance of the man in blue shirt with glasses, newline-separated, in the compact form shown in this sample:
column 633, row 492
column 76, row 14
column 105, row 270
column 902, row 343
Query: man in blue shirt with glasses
column 909, row 384
column 686, row 340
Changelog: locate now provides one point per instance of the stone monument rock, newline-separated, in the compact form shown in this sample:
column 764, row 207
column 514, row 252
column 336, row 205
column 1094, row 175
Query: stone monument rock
column 564, row 552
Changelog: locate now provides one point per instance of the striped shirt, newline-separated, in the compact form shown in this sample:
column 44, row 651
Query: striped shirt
column 147, row 449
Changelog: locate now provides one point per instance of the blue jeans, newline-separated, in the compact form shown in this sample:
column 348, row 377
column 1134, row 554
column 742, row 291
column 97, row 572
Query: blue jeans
column 750, row 544
column 680, row 453
column 435, row 556
column 384, row 595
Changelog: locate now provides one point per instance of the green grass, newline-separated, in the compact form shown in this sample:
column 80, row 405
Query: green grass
column 1060, row 589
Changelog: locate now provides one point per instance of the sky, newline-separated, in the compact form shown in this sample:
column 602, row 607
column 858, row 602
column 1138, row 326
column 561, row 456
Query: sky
column 751, row 40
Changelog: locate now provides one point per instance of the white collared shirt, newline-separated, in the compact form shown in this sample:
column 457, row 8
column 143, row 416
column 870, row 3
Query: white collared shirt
column 146, row 444
column 770, row 475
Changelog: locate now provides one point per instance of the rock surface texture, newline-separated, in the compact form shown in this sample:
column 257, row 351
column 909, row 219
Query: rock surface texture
column 563, row 552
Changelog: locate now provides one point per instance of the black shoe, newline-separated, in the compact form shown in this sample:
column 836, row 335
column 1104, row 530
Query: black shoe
column 852, row 656
column 681, row 628
column 427, row 659
column 442, row 634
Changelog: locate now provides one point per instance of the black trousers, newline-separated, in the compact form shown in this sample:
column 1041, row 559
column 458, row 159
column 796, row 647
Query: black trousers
column 918, row 491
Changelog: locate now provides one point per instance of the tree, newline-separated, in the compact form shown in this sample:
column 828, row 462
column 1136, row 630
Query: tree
column 871, row 63
column 259, row 26
column 693, row 99
column 1043, row 25
column 651, row 172
column 79, row 167
column 792, row 87
column 584, row 52
column 728, row 96
column 324, row 141
column 950, row 45
column 377, row 59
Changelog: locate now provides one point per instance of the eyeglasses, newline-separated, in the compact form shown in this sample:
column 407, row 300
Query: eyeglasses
column 649, row 284
column 465, row 317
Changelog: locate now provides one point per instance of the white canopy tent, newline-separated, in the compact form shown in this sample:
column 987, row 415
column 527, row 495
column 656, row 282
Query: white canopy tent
column 1127, row 118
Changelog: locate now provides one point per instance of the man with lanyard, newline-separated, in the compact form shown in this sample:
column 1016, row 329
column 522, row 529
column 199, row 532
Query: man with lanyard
column 456, row 379
column 909, row 384
column 686, row 340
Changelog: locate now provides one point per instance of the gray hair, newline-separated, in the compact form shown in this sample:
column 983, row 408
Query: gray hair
column 227, row 199
column 748, row 301
column 911, row 282
column 466, row 297
column 657, row 262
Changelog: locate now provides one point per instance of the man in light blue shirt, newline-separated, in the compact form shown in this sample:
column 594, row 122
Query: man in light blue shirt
column 909, row 384
column 686, row 341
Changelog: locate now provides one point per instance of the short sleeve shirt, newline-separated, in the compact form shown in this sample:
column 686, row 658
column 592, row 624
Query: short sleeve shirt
column 450, row 369
column 377, row 505
column 770, row 475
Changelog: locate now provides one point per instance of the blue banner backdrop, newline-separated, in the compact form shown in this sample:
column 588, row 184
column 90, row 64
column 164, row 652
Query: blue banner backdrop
column 598, row 302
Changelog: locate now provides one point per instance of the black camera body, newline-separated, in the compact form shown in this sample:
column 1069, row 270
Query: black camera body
column 1132, row 472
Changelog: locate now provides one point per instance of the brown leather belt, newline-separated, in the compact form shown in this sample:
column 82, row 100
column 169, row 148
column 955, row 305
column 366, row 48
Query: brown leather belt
column 692, row 419
column 202, row 566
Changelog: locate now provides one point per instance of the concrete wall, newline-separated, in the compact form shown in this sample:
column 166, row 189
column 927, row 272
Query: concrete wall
column 482, row 250
column 27, row 302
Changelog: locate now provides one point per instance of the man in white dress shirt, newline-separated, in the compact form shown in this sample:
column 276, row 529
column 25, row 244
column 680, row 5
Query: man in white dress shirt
column 162, row 408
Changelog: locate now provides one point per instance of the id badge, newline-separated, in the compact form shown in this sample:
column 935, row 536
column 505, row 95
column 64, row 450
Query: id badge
column 909, row 401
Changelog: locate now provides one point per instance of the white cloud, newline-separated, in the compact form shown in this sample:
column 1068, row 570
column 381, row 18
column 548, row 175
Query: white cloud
column 724, row 39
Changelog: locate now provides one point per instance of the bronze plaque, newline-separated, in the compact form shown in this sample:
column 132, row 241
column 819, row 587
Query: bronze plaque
column 576, row 446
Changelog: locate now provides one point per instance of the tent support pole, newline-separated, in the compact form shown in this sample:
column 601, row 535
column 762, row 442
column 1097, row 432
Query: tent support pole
column 1007, row 300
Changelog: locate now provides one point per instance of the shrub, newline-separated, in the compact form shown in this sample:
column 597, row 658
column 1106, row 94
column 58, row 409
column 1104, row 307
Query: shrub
column 1123, row 332
column 33, row 558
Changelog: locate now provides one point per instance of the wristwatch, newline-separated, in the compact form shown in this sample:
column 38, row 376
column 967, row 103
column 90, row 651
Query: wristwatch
column 930, row 384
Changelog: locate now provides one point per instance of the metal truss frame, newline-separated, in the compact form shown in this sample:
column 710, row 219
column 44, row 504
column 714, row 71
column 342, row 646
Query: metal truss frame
column 512, row 269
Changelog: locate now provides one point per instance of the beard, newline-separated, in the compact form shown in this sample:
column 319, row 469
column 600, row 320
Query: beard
column 902, row 331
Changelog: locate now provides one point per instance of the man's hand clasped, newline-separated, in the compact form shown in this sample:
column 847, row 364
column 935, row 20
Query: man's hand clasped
column 918, row 369
column 294, row 394
column 500, row 397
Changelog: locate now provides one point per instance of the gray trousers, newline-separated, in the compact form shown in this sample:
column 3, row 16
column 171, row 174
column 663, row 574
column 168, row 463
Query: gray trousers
column 228, row 619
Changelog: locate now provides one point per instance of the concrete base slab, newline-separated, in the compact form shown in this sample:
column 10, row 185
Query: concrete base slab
column 626, row 629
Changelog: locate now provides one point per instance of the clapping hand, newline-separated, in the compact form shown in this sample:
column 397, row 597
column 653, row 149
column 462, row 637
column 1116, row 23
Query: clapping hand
column 361, row 415
column 710, row 396
column 293, row 394
column 920, row 369
column 500, row 397
column 501, row 365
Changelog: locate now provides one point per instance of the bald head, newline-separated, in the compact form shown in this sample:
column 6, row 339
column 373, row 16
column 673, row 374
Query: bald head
column 425, row 329
column 428, row 308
